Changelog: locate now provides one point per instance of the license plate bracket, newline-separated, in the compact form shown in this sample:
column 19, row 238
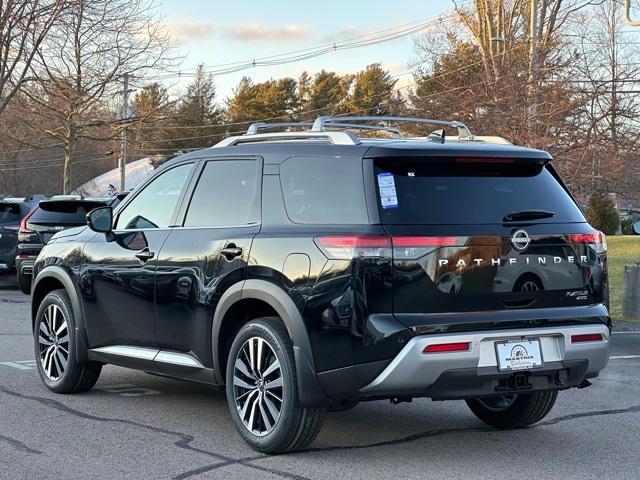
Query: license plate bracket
column 519, row 354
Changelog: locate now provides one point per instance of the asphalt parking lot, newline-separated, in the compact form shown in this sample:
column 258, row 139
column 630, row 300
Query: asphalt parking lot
column 134, row 425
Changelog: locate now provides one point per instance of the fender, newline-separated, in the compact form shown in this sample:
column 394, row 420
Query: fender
column 309, row 390
column 61, row 275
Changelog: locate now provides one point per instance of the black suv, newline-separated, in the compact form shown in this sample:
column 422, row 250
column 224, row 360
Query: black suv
column 311, row 270
column 48, row 218
column 13, row 211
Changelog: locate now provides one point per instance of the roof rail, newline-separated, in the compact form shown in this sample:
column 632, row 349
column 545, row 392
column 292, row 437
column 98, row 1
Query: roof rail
column 322, row 123
column 336, row 138
column 255, row 128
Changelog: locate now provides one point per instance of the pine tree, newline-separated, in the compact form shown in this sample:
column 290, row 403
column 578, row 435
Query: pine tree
column 151, row 106
column 197, row 116
column 372, row 92
column 602, row 213
column 327, row 94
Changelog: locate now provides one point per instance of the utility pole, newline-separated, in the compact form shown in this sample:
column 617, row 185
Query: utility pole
column 122, row 162
column 533, row 63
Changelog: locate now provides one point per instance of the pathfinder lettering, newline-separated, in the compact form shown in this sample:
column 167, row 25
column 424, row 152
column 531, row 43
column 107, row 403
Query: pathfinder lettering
column 511, row 261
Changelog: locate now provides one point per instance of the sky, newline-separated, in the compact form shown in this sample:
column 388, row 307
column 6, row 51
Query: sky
column 216, row 33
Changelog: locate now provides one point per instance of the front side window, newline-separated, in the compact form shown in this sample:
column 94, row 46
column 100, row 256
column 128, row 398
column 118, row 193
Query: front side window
column 154, row 205
column 226, row 195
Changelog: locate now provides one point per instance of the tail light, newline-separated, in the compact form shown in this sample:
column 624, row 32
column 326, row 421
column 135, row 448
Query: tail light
column 597, row 240
column 23, row 223
column 413, row 247
column 447, row 347
column 346, row 247
column 586, row 337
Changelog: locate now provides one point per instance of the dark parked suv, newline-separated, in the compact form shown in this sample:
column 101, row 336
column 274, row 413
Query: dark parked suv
column 311, row 270
column 48, row 218
column 13, row 211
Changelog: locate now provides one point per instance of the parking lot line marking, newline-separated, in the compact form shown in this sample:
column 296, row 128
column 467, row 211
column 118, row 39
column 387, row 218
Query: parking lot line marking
column 128, row 390
column 623, row 357
column 21, row 364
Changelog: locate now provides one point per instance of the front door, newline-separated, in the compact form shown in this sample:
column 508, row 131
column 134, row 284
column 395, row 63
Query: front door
column 117, row 281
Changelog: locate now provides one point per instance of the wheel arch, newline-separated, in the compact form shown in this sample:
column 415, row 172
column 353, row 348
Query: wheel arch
column 54, row 278
column 266, row 299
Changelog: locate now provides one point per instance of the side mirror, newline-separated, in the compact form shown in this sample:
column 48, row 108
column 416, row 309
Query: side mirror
column 635, row 226
column 100, row 219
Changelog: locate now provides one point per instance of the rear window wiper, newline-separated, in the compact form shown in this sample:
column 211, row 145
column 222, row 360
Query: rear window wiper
column 527, row 215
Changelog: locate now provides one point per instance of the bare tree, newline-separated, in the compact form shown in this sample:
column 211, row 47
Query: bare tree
column 83, row 62
column 24, row 24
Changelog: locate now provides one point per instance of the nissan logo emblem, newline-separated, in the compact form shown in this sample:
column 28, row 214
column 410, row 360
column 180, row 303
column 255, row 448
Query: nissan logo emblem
column 520, row 240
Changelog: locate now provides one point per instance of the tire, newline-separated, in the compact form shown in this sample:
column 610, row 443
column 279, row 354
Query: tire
column 517, row 411
column 50, row 335
column 528, row 283
column 24, row 283
column 268, row 425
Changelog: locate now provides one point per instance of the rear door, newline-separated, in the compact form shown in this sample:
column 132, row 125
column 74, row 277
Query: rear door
column 207, row 252
column 485, row 234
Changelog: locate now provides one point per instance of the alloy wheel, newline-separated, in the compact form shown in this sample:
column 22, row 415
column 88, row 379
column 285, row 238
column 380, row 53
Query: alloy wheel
column 498, row 403
column 530, row 286
column 257, row 386
column 53, row 342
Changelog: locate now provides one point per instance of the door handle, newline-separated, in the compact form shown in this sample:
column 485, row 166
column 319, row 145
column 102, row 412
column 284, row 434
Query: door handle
column 144, row 255
column 231, row 252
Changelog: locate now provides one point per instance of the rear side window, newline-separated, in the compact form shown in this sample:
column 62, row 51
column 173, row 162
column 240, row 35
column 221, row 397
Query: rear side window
column 226, row 195
column 9, row 213
column 426, row 191
column 322, row 190
column 63, row 213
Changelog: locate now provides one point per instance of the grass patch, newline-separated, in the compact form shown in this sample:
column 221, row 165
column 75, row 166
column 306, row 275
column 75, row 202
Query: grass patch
column 623, row 250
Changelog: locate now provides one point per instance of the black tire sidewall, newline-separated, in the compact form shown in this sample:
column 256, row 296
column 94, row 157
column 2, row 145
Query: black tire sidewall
column 71, row 374
column 280, row 436
column 524, row 411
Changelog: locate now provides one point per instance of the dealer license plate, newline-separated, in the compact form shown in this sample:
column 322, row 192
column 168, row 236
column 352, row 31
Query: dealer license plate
column 521, row 354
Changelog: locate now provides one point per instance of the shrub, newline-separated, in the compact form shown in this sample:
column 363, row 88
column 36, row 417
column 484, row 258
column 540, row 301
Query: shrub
column 602, row 213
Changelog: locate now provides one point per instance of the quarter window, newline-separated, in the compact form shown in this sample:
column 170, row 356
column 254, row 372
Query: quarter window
column 226, row 195
column 154, row 205
column 326, row 191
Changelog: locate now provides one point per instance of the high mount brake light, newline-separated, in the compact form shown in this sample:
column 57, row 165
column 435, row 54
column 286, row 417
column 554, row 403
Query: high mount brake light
column 346, row 247
column 23, row 223
column 597, row 239
column 484, row 160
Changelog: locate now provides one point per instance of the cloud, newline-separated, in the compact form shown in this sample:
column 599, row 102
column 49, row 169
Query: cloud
column 190, row 29
column 258, row 32
column 346, row 33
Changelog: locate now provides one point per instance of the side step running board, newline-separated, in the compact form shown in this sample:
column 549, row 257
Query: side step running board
column 149, row 354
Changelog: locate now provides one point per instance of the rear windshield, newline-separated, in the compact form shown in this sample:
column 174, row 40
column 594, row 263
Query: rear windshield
column 447, row 193
column 9, row 213
column 63, row 213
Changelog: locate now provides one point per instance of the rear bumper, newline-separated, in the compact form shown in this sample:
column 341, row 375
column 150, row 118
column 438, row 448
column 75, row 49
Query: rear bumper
column 25, row 265
column 475, row 372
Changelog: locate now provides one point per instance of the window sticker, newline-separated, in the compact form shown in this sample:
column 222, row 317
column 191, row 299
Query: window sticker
column 387, row 188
